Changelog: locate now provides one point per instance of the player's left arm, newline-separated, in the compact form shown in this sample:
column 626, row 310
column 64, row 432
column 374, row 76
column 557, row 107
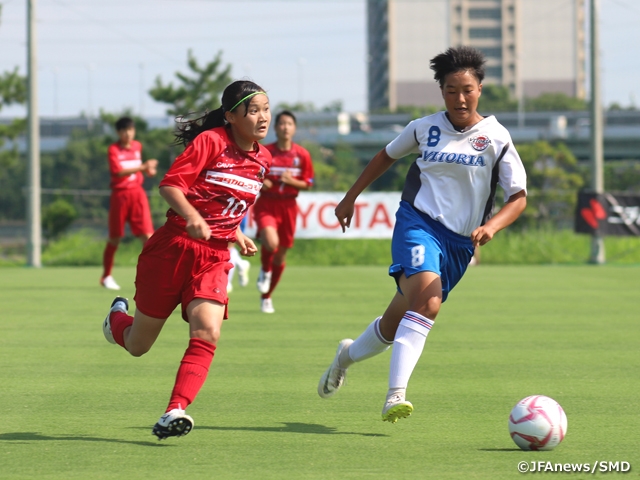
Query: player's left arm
column 288, row 179
column 246, row 245
column 505, row 217
column 150, row 167
column 305, row 182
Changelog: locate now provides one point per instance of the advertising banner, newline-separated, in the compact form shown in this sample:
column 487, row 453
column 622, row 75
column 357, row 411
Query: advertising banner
column 374, row 216
column 608, row 214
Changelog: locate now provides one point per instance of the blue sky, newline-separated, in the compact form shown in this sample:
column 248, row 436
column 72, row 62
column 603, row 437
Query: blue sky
column 99, row 54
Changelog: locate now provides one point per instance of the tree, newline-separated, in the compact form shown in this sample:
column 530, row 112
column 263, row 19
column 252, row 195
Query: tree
column 554, row 102
column 197, row 93
column 336, row 169
column 413, row 110
column 82, row 165
column 309, row 107
column 496, row 98
column 13, row 90
column 553, row 179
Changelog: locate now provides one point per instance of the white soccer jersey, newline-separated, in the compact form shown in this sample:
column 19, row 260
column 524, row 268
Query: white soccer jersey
column 454, row 178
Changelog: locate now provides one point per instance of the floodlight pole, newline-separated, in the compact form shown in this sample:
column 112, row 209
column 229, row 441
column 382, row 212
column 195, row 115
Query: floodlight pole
column 34, row 237
column 597, row 241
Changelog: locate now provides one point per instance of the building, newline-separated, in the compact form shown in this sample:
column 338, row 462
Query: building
column 532, row 46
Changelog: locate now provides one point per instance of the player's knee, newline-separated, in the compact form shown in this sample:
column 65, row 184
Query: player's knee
column 272, row 245
column 210, row 334
column 138, row 350
column 428, row 309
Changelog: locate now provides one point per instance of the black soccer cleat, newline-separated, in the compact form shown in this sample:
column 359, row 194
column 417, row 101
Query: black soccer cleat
column 175, row 423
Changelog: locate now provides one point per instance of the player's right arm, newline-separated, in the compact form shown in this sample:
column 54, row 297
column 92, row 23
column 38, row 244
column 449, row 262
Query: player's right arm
column 149, row 167
column 379, row 164
column 196, row 226
column 402, row 145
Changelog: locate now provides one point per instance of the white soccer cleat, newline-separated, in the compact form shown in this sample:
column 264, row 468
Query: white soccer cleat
column 334, row 377
column 396, row 407
column 266, row 305
column 119, row 304
column 110, row 283
column 243, row 273
column 264, row 282
column 174, row 423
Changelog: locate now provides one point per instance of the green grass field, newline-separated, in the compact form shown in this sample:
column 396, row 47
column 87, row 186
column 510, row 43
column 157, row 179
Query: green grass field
column 76, row 407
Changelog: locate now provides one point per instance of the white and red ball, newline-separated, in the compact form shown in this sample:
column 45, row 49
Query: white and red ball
column 537, row 423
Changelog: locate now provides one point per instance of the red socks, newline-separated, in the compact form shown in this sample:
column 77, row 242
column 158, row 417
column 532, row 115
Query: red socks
column 266, row 258
column 192, row 373
column 107, row 259
column 119, row 322
column 276, row 273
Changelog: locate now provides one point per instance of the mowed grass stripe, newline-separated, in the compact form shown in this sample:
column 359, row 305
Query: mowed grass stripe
column 75, row 406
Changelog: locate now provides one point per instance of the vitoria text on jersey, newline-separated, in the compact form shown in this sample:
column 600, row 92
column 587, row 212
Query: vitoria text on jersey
column 454, row 178
column 219, row 179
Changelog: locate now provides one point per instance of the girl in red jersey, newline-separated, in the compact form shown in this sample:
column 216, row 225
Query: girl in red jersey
column 276, row 210
column 128, row 202
column 209, row 188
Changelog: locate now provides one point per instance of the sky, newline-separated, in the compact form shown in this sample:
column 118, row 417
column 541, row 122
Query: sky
column 106, row 54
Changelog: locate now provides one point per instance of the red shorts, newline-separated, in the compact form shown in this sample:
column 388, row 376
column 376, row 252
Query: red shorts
column 174, row 269
column 129, row 205
column 280, row 214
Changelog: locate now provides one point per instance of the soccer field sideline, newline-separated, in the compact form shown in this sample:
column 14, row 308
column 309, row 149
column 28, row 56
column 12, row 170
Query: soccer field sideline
column 77, row 407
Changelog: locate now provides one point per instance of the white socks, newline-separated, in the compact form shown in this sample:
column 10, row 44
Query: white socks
column 368, row 344
column 407, row 348
column 234, row 256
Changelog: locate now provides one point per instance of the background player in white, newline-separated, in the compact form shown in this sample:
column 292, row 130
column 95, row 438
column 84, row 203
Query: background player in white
column 445, row 212
column 243, row 266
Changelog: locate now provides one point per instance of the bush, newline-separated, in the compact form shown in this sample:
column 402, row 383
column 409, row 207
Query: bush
column 509, row 247
column 57, row 217
column 84, row 248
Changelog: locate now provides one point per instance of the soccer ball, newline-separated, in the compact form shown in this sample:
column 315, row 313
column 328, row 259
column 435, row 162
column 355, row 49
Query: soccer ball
column 537, row 423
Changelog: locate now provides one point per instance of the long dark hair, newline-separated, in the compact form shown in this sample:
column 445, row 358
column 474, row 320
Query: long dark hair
column 187, row 130
column 455, row 59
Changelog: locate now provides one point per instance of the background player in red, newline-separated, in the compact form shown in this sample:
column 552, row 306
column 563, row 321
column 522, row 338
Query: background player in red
column 209, row 188
column 276, row 210
column 128, row 201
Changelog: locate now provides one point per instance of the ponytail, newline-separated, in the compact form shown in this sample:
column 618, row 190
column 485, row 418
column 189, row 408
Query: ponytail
column 187, row 130
column 237, row 93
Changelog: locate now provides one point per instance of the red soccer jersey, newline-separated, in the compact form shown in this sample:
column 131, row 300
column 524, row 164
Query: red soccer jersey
column 297, row 161
column 121, row 158
column 219, row 179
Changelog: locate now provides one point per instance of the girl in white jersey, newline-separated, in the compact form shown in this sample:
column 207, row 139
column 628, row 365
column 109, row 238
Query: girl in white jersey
column 446, row 211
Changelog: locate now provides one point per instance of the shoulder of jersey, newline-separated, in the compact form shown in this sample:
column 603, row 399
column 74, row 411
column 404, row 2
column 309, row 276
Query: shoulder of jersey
column 299, row 148
column 217, row 135
column 493, row 127
column 265, row 150
column 216, row 132
column 437, row 118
